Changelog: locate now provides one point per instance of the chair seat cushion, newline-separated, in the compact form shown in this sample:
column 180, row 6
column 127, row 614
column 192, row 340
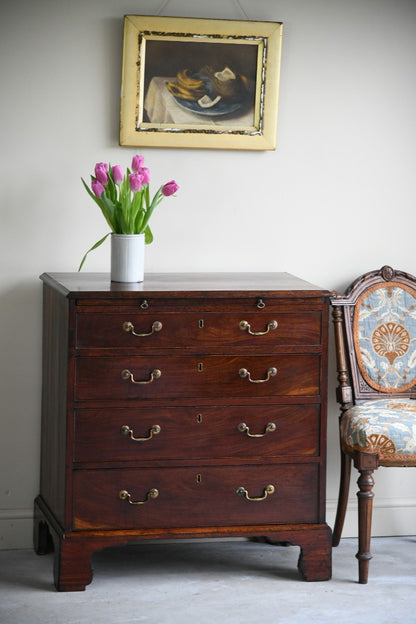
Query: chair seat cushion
column 385, row 426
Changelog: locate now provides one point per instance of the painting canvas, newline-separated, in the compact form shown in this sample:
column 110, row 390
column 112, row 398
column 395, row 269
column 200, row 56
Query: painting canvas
column 200, row 83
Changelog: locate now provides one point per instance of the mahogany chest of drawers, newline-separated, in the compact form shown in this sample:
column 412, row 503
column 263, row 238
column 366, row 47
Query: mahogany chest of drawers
column 190, row 405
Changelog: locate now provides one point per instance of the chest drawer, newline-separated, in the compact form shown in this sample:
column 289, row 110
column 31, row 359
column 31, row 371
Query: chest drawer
column 160, row 330
column 157, row 376
column 105, row 435
column 103, row 498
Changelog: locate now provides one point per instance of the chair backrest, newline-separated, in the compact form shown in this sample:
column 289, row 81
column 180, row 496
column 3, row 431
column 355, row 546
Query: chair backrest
column 375, row 331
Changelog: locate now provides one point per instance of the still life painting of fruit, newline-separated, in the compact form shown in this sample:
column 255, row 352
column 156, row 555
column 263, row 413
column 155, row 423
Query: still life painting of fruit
column 210, row 82
column 210, row 92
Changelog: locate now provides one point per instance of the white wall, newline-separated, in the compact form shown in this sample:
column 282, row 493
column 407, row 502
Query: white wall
column 335, row 199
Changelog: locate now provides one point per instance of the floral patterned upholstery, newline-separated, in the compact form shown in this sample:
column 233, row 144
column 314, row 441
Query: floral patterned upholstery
column 385, row 337
column 384, row 426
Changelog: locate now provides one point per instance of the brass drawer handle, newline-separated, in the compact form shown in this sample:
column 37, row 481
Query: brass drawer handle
column 151, row 494
column 245, row 325
column 270, row 427
column 243, row 372
column 154, row 430
column 269, row 489
column 154, row 374
column 129, row 327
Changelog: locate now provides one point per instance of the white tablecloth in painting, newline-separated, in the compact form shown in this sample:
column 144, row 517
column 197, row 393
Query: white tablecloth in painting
column 161, row 107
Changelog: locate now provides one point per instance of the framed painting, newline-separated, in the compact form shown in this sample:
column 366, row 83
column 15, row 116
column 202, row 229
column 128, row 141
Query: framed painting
column 200, row 83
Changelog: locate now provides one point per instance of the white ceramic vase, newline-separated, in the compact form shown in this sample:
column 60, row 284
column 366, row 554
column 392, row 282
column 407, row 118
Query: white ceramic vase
column 127, row 257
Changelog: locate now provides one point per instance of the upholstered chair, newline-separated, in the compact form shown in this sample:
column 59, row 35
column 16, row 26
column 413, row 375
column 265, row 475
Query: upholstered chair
column 375, row 336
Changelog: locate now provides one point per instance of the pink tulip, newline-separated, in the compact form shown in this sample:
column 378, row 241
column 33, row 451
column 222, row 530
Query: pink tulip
column 169, row 188
column 144, row 171
column 97, row 188
column 137, row 163
column 101, row 172
column 117, row 174
column 136, row 181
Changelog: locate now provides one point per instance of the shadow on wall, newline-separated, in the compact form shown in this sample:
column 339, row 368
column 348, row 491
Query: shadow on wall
column 20, row 390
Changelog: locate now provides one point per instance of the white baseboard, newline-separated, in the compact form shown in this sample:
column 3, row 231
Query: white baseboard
column 16, row 529
column 390, row 517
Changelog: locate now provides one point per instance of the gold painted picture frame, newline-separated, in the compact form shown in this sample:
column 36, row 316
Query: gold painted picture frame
column 200, row 83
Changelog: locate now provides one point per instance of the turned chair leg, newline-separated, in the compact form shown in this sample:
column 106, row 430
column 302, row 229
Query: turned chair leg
column 344, row 487
column 365, row 508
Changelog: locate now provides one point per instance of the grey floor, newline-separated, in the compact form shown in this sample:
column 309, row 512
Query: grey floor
column 218, row 582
